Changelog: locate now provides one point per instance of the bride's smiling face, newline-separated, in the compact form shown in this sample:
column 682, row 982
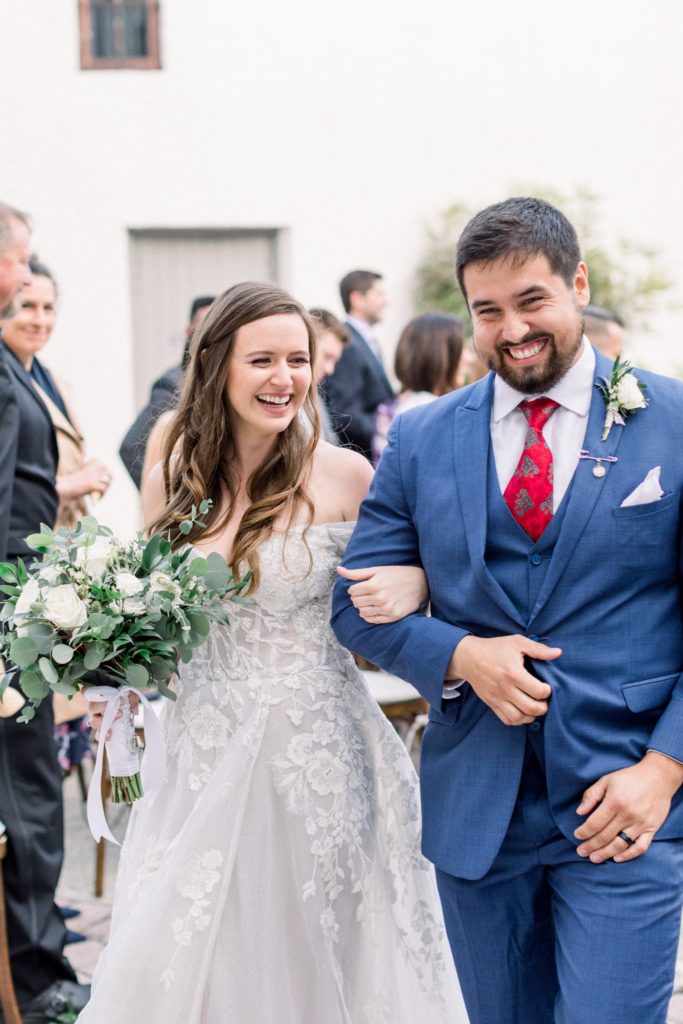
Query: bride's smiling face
column 269, row 375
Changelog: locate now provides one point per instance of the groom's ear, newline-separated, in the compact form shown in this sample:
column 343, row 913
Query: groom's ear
column 581, row 286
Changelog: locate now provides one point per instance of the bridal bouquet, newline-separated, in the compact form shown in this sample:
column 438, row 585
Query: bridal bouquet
column 108, row 617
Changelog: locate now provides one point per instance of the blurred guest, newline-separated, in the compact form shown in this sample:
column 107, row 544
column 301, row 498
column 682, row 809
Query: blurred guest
column 605, row 329
column 15, row 238
column 359, row 383
column 30, row 782
column 471, row 367
column 26, row 333
column 332, row 339
column 164, row 396
column 427, row 364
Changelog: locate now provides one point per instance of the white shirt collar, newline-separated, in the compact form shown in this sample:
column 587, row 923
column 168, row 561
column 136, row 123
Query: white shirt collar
column 363, row 328
column 574, row 391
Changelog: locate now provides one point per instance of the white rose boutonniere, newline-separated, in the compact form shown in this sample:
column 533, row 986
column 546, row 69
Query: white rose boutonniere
column 623, row 393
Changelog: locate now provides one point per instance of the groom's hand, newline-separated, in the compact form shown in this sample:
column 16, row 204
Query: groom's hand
column 633, row 800
column 495, row 670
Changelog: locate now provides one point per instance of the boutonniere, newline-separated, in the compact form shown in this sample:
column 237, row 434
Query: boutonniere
column 623, row 394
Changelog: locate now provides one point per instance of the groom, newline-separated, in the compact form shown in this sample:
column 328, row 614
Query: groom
column 553, row 657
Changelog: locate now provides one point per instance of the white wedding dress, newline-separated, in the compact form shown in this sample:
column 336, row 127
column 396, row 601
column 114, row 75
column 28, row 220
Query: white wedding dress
column 276, row 878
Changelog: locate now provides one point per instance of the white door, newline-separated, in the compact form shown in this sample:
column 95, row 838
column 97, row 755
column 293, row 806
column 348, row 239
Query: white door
column 169, row 268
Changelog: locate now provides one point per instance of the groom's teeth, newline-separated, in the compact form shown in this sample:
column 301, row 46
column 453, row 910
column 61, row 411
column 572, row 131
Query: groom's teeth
column 528, row 352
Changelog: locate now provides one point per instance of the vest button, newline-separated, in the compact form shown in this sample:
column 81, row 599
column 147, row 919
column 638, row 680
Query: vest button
column 534, row 638
column 536, row 559
column 534, row 726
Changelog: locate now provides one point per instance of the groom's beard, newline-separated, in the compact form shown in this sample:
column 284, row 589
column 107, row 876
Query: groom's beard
column 559, row 354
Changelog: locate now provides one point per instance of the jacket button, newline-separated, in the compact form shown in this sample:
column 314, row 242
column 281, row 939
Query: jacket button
column 534, row 726
column 536, row 559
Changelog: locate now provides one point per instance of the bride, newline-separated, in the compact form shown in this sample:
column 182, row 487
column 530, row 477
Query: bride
column 276, row 878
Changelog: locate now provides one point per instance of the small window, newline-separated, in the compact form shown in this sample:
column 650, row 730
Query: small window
column 119, row 34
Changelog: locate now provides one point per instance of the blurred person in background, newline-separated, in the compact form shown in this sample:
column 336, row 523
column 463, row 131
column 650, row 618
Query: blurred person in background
column 359, row 383
column 164, row 396
column 427, row 364
column 25, row 334
column 332, row 340
column 605, row 329
column 30, row 781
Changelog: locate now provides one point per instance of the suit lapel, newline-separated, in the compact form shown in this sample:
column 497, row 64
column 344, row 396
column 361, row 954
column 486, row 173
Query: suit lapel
column 471, row 450
column 371, row 358
column 584, row 490
column 58, row 418
column 26, row 380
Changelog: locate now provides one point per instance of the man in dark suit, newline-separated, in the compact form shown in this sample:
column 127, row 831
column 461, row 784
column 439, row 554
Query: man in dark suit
column 30, row 781
column 164, row 396
column 359, row 383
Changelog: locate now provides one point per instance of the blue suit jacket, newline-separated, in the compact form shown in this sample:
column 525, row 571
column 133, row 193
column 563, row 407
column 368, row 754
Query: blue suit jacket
column 611, row 599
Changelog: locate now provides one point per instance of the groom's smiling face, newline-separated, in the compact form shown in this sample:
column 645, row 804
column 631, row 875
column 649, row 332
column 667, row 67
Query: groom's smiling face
column 527, row 320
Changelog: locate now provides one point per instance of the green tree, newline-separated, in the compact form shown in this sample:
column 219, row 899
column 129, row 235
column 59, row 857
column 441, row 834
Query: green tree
column 625, row 277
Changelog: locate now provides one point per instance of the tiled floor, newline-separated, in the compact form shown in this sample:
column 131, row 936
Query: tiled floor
column 76, row 889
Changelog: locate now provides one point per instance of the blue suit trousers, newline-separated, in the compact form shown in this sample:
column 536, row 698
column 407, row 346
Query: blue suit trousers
column 547, row 937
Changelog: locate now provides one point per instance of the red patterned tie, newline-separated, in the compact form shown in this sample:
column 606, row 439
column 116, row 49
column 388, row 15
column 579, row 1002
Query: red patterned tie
column 529, row 495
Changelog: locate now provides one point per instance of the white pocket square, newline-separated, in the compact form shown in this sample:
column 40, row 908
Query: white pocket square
column 646, row 492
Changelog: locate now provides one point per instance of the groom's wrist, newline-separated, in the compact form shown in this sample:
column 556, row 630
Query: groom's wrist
column 456, row 666
column 668, row 768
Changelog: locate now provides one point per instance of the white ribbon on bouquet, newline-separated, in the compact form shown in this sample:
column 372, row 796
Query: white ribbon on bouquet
column 122, row 757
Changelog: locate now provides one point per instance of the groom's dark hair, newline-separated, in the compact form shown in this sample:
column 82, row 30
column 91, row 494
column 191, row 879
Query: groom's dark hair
column 520, row 227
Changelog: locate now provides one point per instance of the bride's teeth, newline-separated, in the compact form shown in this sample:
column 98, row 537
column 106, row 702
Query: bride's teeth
column 274, row 399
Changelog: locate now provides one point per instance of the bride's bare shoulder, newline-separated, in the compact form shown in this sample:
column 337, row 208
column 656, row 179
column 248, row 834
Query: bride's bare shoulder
column 340, row 479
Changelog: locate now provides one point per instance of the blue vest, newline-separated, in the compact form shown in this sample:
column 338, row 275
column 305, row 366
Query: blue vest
column 518, row 563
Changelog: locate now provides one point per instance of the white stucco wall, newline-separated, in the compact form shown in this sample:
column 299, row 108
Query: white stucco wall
column 352, row 125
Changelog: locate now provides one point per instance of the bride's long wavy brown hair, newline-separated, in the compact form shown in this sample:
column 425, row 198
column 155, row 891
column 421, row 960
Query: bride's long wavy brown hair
column 200, row 444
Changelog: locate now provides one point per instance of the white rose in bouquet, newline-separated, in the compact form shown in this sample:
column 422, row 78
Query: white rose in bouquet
column 134, row 606
column 128, row 585
column 629, row 394
column 64, row 608
column 30, row 593
column 94, row 557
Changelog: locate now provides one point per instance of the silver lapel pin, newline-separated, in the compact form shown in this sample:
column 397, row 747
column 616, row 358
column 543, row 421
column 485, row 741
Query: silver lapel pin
column 598, row 470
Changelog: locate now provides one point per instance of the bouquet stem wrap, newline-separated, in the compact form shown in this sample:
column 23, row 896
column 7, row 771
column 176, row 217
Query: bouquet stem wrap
column 117, row 734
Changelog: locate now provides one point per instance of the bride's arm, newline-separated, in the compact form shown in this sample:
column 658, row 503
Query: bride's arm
column 386, row 593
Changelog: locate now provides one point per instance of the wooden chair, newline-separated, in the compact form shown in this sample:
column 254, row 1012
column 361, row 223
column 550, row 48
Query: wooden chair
column 8, row 999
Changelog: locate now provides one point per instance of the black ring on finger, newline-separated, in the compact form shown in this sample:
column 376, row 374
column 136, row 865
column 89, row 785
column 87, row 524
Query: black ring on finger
column 627, row 839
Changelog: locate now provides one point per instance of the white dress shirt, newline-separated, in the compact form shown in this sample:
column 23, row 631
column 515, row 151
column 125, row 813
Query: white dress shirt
column 564, row 433
column 367, row 334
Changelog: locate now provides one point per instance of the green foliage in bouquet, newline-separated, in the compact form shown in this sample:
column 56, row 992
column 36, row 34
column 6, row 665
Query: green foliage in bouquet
column 92, row 603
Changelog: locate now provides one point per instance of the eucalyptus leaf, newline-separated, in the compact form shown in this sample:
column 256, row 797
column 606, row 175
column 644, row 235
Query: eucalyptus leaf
column 217, row 575
column 198, row 566
column 165, row 690
column 68, row 689
column 92, row 658
column 27, row 713
column 199, row 622
column 23, row 652
column 185, row 527
column 38, row 541
column 62, row 654
column 33, row 685
column 137, row 675
column 48, row 670
column 42, row 636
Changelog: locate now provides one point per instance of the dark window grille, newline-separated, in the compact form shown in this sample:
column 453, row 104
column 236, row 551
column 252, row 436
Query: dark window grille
column 119, row 34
